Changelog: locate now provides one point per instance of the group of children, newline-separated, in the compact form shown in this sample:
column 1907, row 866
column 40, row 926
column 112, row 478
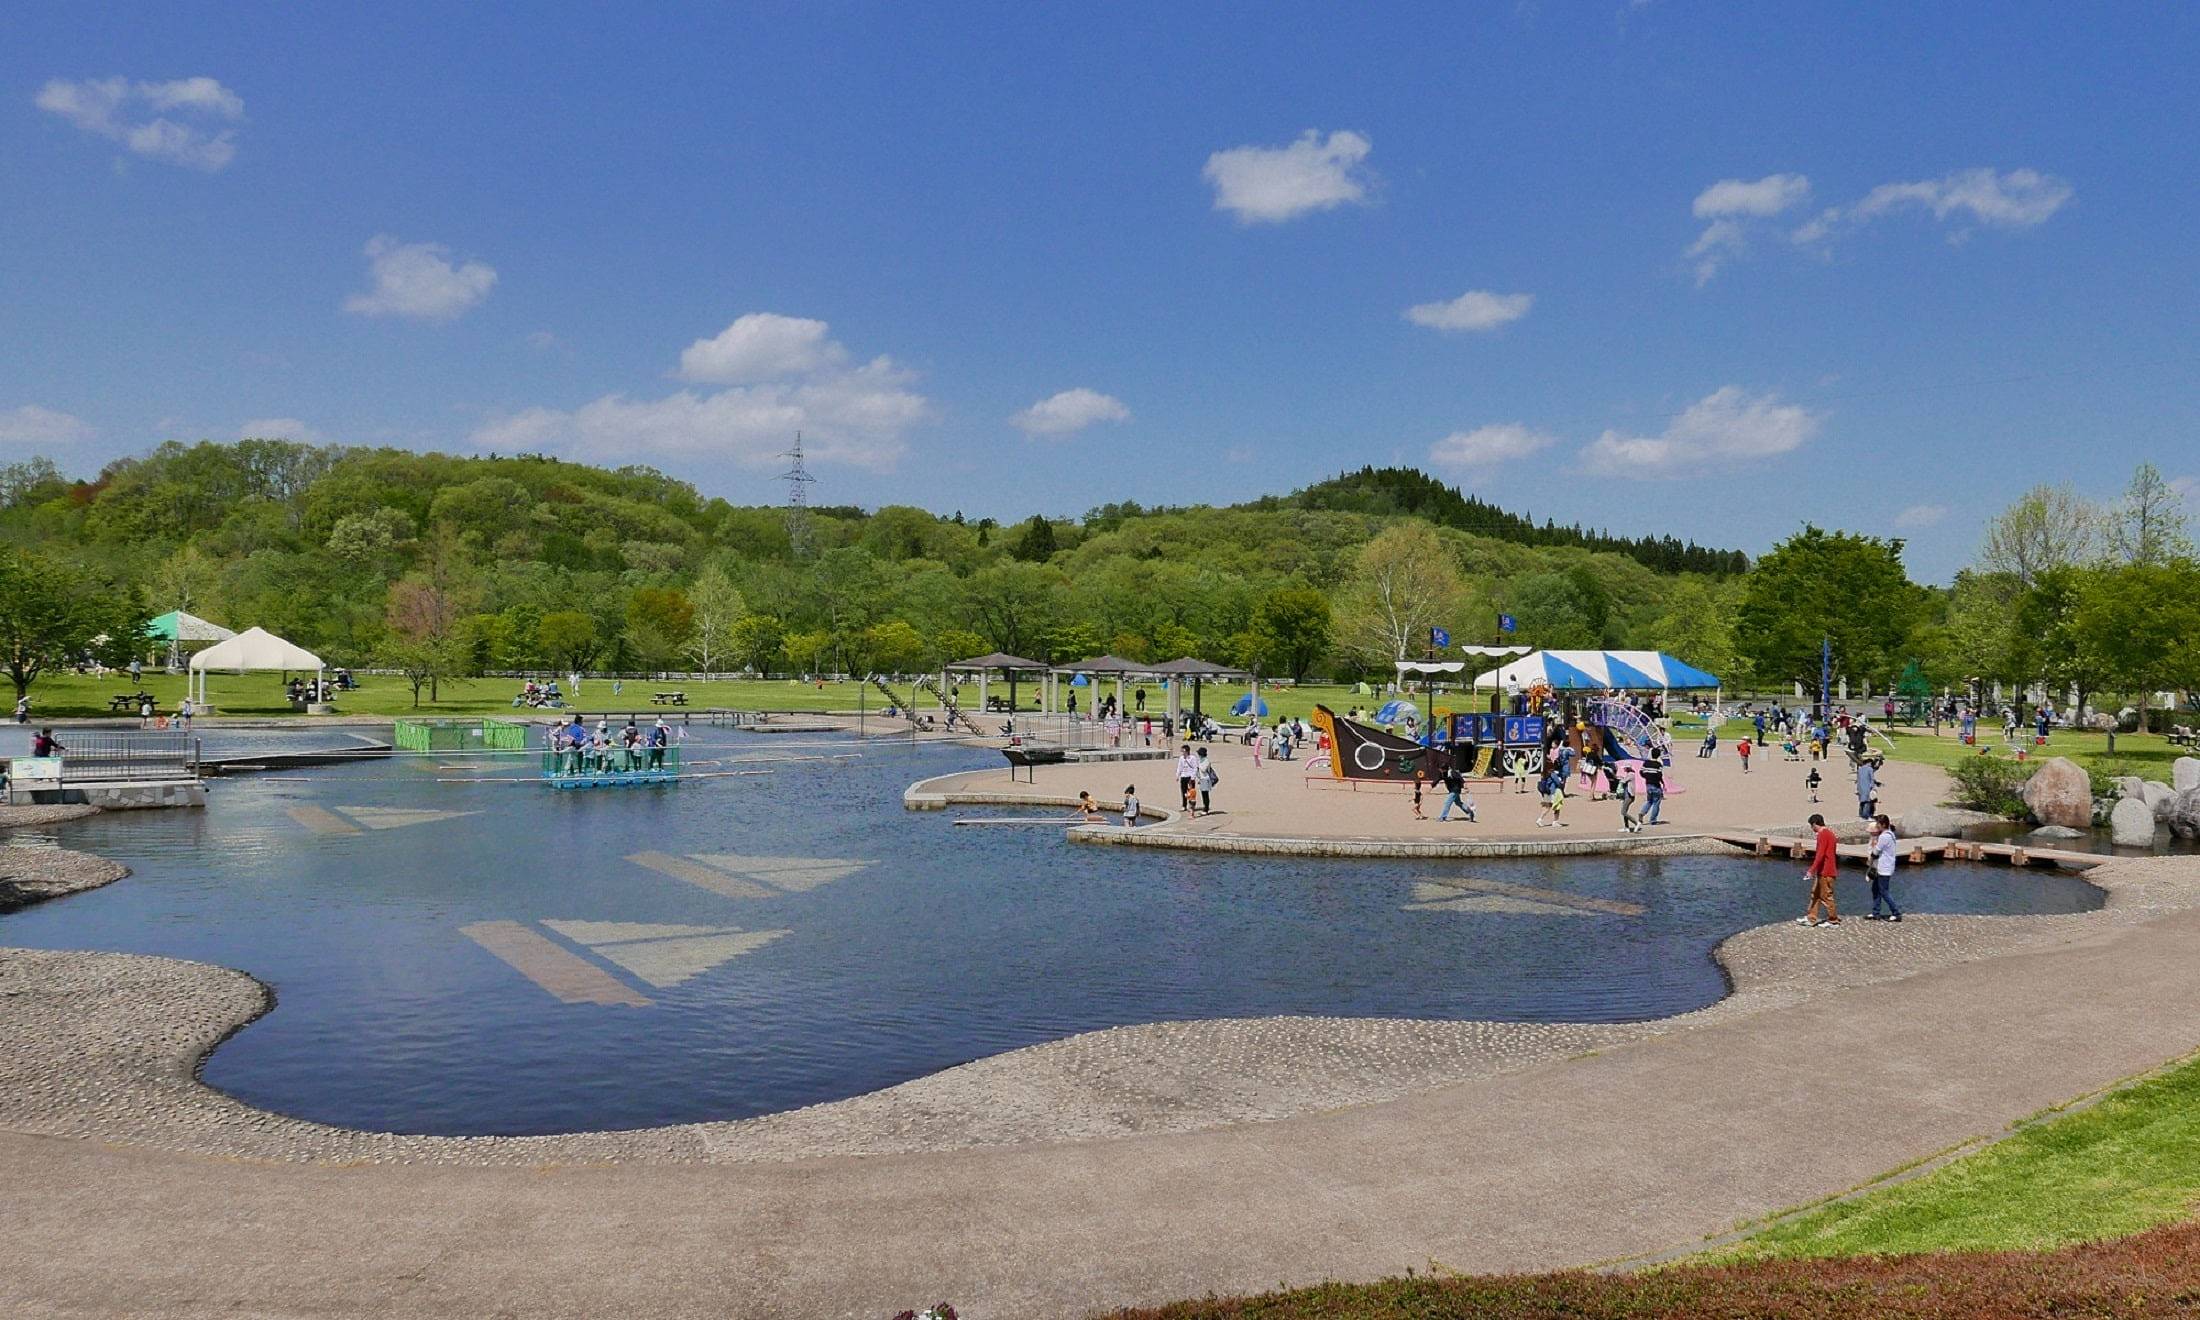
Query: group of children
column 631, row 748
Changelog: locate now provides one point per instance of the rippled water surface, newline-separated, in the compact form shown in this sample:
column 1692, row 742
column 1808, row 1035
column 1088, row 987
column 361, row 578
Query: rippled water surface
column 780, row 939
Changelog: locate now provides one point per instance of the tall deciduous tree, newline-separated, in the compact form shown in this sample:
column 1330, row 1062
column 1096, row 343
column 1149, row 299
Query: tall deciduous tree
column 718, row 607
column 658, row 622
column 1828, row 587
column 568, row 638
column 2141, row 625
column 2148, row 525
column 2049, row 527
column 1402, row 584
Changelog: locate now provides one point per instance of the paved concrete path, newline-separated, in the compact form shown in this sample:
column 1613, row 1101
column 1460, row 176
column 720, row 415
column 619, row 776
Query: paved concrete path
column 1643, row 1147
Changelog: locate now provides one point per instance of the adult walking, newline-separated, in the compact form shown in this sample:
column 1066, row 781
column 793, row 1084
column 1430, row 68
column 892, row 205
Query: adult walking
column 1867, row 789
column 1455, row 784
column 1623, row 784
column 1207, row 779
column 1653, row 792
column 1825, row 857
column 1884, row 852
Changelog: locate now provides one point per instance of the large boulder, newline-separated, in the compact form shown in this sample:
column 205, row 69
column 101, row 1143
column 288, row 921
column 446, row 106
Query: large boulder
column 2184, row 773
column 2183, row 816
column 2159, row 795
column 2131, row 786
column 2132, row 824
column 2057, row 832
column 2060, row 793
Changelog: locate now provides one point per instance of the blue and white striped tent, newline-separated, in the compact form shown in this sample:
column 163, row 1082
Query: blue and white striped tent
column 1594, row 671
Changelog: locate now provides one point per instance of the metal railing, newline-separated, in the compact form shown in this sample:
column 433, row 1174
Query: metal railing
column 133, row 755
column 592, row 762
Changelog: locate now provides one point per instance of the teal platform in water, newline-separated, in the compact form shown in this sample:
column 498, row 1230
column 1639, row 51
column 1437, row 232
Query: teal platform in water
column 616, row 768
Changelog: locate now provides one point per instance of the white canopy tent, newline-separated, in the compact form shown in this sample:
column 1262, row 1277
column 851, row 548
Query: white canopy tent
column 252, row 649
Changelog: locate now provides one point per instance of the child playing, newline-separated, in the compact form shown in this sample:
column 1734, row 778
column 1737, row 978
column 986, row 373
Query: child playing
column 1130, row 805
column 1417, row 812
column 1789, row 749
column 1811, row 781
column 1553, row 789
column 1743, row 749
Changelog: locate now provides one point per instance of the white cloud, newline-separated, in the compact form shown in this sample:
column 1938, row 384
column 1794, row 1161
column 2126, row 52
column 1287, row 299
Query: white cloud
column 1725, row 427
column 1770, row 195
column 761, row 346
column 1476, row 309
column 1272, row 184
column 1071, row 410
column 2019, row 199
column 542, row 341
column 280, row 428
column 33, row 427
column 133, row 114
column 1488, row 445
column 417, row 280
column 1921, row 515
column 857, row 416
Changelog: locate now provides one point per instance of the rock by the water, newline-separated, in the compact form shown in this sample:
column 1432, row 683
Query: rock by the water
column 2132, row 824
column 2060, row 793
column 2184, row 773
column 2131, row 786
column 2183, row 815
column 2057, row 832
column 2159, row 795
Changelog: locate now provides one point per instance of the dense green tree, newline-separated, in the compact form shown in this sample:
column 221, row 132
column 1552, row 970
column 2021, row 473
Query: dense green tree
column 1402, row 584
column 1038, row 543
column 568, row 639
column 1291, row 631
column 50, row 613
column 1835, row 587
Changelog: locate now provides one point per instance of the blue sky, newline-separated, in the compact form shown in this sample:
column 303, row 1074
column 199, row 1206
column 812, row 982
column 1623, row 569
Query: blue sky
column 1655, row 267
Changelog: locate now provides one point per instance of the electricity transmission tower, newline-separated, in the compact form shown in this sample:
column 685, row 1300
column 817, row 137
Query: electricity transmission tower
column 798, row 482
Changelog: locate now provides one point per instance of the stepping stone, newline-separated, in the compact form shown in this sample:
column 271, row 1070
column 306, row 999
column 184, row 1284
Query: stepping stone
column 1526, row 907
column 321, row 820
column 396, row 818
column 794, row 874
column 1529, row 893
column 664, row 955
column 565, row 975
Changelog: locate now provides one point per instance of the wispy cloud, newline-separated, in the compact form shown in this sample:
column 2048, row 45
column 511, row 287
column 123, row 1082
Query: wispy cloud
column 1267, row 185
column 179, row 122
column 1726, row 427
column 33, row 427
column 1069, row 411
column 1742, row 211
column 1486, row 446
column 1921, row 515
column 418, row 281
column 1476, row 309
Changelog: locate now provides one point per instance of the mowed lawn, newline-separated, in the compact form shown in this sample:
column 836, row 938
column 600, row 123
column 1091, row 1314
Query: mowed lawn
column 74, row 696
column 2127, row 1163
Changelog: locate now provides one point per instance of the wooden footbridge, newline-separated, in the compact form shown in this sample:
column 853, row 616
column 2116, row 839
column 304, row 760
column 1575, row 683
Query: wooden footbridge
column 1916, row 852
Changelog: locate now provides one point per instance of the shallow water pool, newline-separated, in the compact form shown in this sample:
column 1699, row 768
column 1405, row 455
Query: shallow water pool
column 456, row 949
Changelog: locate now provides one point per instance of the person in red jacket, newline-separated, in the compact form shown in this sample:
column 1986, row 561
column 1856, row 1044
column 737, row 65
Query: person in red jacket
column 1824, row 859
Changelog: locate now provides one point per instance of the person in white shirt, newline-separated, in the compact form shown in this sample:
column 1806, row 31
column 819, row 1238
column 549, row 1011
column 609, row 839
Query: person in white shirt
column 1884, row 846
column 1187, row 777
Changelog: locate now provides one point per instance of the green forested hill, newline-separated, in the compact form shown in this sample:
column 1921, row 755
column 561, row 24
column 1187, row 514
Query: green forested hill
column 434, row 561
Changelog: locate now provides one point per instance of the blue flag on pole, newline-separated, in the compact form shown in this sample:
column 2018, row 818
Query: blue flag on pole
column 1506, row 623
column 1439, row 638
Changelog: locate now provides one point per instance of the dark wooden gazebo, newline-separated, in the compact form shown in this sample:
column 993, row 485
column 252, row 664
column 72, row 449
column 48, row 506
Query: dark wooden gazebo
column 984, row 665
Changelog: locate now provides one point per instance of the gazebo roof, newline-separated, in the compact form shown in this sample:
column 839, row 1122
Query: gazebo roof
column 181, row 626
column 998, row 660
column 256, row 648
column 1186, row 666
column 1104, row 664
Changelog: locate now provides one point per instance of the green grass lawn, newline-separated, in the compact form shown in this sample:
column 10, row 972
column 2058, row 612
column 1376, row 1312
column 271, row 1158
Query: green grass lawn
column 2127, row 1163
column 72, row 696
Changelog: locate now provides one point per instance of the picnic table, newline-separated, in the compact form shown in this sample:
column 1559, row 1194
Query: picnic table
column 128, row 700
column 668, row 698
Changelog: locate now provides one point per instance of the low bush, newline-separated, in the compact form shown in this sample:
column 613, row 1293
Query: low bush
column 1991, row 783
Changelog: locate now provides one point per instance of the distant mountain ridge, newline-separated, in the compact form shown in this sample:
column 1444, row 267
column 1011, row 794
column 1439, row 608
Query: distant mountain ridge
column 1393, row 490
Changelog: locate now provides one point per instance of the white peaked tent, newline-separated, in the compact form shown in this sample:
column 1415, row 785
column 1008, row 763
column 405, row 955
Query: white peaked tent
column 254, row 648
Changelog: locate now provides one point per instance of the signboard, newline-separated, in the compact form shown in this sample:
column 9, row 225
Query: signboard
column 35, row 767
column 1440, row 638
column 1523, row 730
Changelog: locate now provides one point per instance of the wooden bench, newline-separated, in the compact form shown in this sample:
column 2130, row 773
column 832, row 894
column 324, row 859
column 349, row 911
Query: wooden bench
column 1026, row 757
column 668, row 698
